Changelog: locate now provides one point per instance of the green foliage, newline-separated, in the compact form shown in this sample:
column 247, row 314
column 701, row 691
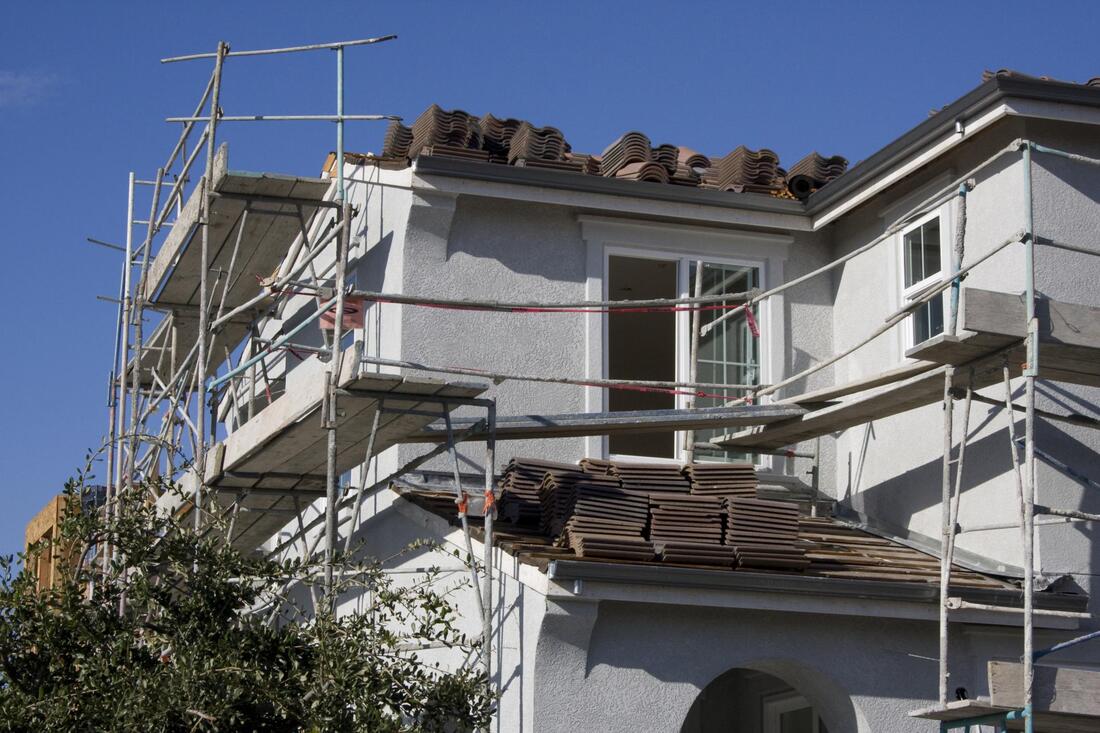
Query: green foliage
column 180, row 632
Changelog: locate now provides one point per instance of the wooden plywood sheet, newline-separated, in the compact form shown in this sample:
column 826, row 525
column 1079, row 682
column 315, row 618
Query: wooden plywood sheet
column 1045, row 722
column 1055, row 689
column 924, row 389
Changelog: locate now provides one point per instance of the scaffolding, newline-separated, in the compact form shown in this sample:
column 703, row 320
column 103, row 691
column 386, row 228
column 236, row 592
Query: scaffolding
column 183, row 401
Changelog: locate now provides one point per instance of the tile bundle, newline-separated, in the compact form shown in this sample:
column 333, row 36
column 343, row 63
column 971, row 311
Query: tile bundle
column 722, row 479
column 536, row 143
column 397, row 141
column 688, row 529
column 764, row 533
column 446, row 131
column 644, row 477
column 813, row 172
column 745, row 170
column 606, row 510
column 516, row 142
column 519, row 489
column 558, row 496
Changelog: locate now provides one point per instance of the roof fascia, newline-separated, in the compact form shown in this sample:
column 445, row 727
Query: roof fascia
column 958, row 122
column 792, row 593
column 608, row 195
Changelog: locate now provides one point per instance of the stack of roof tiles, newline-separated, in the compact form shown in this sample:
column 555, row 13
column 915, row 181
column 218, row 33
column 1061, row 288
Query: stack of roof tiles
column 608, row 522
column 519, row 489
column 650, row 478
column 632, row 156
column 688, row 529
column 558, row 496
column 496, row 135
column 764, row 533
column 813, row 172
column 746, row 170
column 722, row 479
column 454, row 133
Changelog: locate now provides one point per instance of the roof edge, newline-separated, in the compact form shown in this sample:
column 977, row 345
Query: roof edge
column 567, row 570
column 984, row 95
column 430, row 165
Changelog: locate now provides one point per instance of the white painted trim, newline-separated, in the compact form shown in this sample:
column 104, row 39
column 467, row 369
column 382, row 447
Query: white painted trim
column 605, row 237
column 904, row 333
column 655, row 234
column 953, row 139
column 890, row 213
column 620, row 204
column 773, row 706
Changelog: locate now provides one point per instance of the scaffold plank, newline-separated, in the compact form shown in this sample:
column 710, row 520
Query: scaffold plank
column 174, row 271
column 923, row 389
column 528, row 427
column 975, row 711
column 284, row 446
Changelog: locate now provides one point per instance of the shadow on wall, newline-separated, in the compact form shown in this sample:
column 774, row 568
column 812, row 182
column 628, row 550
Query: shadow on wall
column 524, row 239
column 897, row 500
column 772, row 696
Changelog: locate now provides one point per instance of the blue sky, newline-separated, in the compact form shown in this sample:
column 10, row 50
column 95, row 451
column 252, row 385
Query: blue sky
column 83, row 98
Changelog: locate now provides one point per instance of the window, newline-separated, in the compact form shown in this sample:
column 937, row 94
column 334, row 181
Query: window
column 922, row 268
column 789, row 712
column 729, row 353
column 657, row 346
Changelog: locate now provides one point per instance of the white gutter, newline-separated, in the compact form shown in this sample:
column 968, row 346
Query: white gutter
column 964, row 129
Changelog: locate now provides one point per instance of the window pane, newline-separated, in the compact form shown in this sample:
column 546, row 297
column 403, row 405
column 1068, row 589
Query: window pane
column 928, row 320
column 797, row 721
column 914, row 264
column 728, row 353
column 930, row 233
column 921, row 248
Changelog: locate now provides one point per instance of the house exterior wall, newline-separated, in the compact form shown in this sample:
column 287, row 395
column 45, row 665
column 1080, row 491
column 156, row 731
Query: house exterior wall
column 626, row 666
column 890, row 468
column 614, row 667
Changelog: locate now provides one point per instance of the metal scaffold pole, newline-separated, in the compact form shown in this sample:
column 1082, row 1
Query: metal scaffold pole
column 204, row 294
column 1031, row 370
column 490, row 510
column 139, row 312
column 333, row 375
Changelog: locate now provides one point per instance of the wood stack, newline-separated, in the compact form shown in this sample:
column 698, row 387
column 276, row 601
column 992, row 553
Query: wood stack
column 722, row 479
column 764, row 533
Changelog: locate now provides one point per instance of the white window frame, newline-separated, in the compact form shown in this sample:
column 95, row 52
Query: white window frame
column 608, row 237
column 943, row 213
column 773, row 707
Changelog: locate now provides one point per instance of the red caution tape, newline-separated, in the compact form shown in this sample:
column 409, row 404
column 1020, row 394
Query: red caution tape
column 490, row 500
column 751, row 320
column 463, row 503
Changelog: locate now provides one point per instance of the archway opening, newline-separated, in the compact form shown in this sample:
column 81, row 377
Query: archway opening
column 749, row 701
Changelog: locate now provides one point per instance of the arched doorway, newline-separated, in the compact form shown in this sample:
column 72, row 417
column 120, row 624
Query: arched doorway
column 750, row 701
